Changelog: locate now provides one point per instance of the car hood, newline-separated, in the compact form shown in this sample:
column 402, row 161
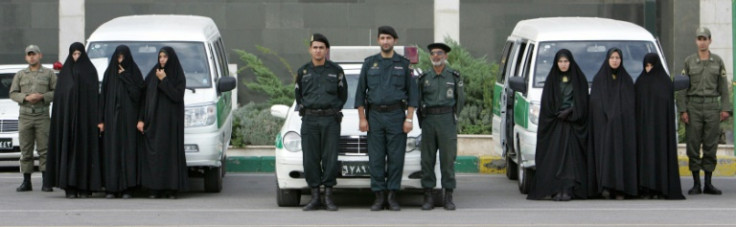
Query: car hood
column 9, row 109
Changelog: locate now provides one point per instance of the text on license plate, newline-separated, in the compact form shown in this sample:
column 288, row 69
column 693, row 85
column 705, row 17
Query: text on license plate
column 6, row 143
column 354, row 169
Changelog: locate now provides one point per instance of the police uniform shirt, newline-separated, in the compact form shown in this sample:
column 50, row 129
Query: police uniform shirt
column 386, row 81
column 707, row 79
column 26, row 82
column 442, row 90
column 321, row 87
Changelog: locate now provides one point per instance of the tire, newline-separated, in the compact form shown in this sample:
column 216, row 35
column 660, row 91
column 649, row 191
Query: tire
column 213, row 179
column 224, row 165
column 287, row 197
column 438, row 197
column 526, row 176
column 511, row 168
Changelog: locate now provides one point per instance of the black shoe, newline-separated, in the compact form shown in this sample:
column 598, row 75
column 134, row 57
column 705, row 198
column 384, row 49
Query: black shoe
column 173, row 195
column 428, row 199
column 47, row 189
column 564, row 196
column 393, row 205
column 110, row 196
column 709, row 188
column 127, row 196
column 84, row 194
column 329, row 204
column 378, row 204
column 695, row 190
column 26, row 185
column 154, row 195
column 70, row 193
column 449, row 205
column 314, row 203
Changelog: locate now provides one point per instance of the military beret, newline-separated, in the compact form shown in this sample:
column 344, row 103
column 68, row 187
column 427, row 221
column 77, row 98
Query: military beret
column 442, row 46
column 702, row 31
column 388, row 30
column 320, row 38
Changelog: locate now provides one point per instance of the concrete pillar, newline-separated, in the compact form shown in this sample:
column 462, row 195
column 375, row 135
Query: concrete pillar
column 71, row 25
column 446, row 20
column 716, row 15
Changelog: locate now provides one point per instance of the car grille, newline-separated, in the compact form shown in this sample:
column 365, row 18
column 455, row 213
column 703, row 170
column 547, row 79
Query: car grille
column 8, row 125
column 353, row 145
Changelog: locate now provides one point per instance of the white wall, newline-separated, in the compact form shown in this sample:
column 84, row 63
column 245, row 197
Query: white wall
column 716, row 16
column 446, row 20
column 71, row 25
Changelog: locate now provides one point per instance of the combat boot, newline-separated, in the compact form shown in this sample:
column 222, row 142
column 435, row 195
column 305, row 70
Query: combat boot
column 696, row 184
column 329, row 204
column 379, row 202
column 393, row 205
column 314, row 203
column 709, row 188
column 428, row 199
column 449, row 205
column 26, row 185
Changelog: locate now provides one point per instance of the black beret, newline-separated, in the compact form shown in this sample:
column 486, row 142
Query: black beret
column 388, row 30
column 442, row 46
column 319, row 38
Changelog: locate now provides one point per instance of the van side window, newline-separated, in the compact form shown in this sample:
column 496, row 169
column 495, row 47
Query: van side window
column 528, row 63
column 519, row 58
column 501, row 77
column 222, row 53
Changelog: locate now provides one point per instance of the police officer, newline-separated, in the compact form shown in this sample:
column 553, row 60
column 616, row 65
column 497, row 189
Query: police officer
column 385, row 90
column 701, row 110
column 320, row 93
column 441, row 98
column 33, row 89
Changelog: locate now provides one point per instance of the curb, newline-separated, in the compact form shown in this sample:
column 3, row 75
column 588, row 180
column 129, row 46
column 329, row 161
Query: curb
column 463, row 164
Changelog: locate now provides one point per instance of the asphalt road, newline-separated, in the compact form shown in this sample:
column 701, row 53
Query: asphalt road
column 249, row 200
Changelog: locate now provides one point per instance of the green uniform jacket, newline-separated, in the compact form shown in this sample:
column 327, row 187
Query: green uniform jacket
column 707, row 79
column 386, row 82
column 445, row 89
column 321, row 87
column 26, row 82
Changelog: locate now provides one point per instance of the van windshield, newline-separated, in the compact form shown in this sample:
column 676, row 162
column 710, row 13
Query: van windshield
column 191, row 55
column 590, row 55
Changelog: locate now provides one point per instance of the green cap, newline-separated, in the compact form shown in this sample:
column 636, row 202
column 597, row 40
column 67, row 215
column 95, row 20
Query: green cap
column 702, row 31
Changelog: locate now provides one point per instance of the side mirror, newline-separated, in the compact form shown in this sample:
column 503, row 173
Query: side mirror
column 517, row 84
column 226, row 83
column 681, row 82
column 279, row 111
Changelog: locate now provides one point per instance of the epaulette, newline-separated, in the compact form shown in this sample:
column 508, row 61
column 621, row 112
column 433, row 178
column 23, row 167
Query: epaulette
column 456, row 73
column 421, row 76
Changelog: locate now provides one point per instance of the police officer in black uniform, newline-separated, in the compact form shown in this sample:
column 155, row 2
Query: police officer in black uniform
column 320, row 93
column 385, row 91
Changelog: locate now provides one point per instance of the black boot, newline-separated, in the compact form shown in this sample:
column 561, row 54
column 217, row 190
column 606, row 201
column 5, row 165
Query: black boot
column 428, row 199
column 329, row 204
column 379, row 202
column 44, row 186
column 709, row 188
column 71, row 193
column 26, row 185
column 393, row 205
column 449, row 205
column 314, row 203
column 696, row 184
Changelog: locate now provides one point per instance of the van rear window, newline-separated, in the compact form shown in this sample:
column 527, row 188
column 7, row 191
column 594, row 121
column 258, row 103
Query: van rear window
column 590, row 55
column 191, row 54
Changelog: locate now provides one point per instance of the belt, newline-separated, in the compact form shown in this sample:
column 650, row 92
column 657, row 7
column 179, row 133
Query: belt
column 386, row 108
column 321, row 112
column 701, row 99
column 31, row 110
column 438, row 110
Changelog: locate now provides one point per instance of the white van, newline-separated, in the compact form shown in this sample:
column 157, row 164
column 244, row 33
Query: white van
column 525, row 62
column 209, row 99
column 352, row 150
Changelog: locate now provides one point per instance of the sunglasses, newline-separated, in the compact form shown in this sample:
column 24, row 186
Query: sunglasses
column 439, row 52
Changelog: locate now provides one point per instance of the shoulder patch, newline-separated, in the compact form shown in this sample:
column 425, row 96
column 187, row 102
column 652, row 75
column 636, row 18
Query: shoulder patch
column 456, row 73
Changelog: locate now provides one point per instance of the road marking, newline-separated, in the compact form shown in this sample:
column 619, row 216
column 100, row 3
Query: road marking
column 297, row 209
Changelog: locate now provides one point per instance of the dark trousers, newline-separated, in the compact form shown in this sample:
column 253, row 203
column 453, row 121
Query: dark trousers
column 439, row 132
column 320, row 139
column 704, row 128
column 386, row 145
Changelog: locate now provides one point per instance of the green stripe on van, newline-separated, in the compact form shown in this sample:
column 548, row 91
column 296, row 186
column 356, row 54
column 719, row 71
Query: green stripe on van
column 224, row 106
column 521, row 111
column 496, row 106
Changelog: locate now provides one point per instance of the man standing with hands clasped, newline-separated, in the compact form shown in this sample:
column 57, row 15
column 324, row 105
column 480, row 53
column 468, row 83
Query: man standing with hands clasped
column 386, row 97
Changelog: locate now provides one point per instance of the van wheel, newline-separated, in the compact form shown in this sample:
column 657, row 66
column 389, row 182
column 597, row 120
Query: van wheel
column 213, row 179
column 526, row 176
column 224, row 165
column 287, row 197
column 511, row 168
column 439, row 197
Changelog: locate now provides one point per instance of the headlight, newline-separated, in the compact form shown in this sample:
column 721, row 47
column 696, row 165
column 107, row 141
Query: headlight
column 197, row 116
column 293, row 141
column 534, row 108
column 413, row 143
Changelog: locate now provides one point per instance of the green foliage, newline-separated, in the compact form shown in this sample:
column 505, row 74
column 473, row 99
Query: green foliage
column 478, row 76
column 266, row 80
column 254, row 125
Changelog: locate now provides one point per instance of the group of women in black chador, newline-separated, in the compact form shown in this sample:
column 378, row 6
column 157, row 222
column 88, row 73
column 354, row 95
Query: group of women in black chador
column 122, row 137
column 618, row 142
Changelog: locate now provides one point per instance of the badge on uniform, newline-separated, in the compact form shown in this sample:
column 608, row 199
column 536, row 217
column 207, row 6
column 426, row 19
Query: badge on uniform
column 304, row 72
column 375, row 65
column 450, row 93
column 426, row 83
column 332, row 75
column 398, row 67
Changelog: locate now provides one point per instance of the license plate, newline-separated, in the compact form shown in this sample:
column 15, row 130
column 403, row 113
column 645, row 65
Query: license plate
column 6, row 144
column 354, row 169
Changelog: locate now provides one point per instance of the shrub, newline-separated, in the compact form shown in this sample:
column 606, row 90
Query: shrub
column 254, row 125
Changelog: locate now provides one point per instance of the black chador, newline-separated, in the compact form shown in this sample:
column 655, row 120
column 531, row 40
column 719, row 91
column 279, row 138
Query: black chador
column 561, row 136
column 612, row 126
column 164, row 167
column 121, row 95
column 656, row 141
column 74, row 155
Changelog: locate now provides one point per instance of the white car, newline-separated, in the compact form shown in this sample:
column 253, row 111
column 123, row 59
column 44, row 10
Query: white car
column 9, row 111
column 352, row 157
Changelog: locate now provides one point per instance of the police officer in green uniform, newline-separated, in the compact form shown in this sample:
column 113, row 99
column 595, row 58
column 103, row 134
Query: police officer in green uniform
column 33, row 90
column 441, row 98
column 385, row 90
column 702, row 107
column 320, row 93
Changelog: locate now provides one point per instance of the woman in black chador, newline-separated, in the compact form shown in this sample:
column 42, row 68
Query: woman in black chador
column 561, row 136
column 164, row 168
column 659, row 174
column 74, row 156
column 612, row 139
column 121, row 95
